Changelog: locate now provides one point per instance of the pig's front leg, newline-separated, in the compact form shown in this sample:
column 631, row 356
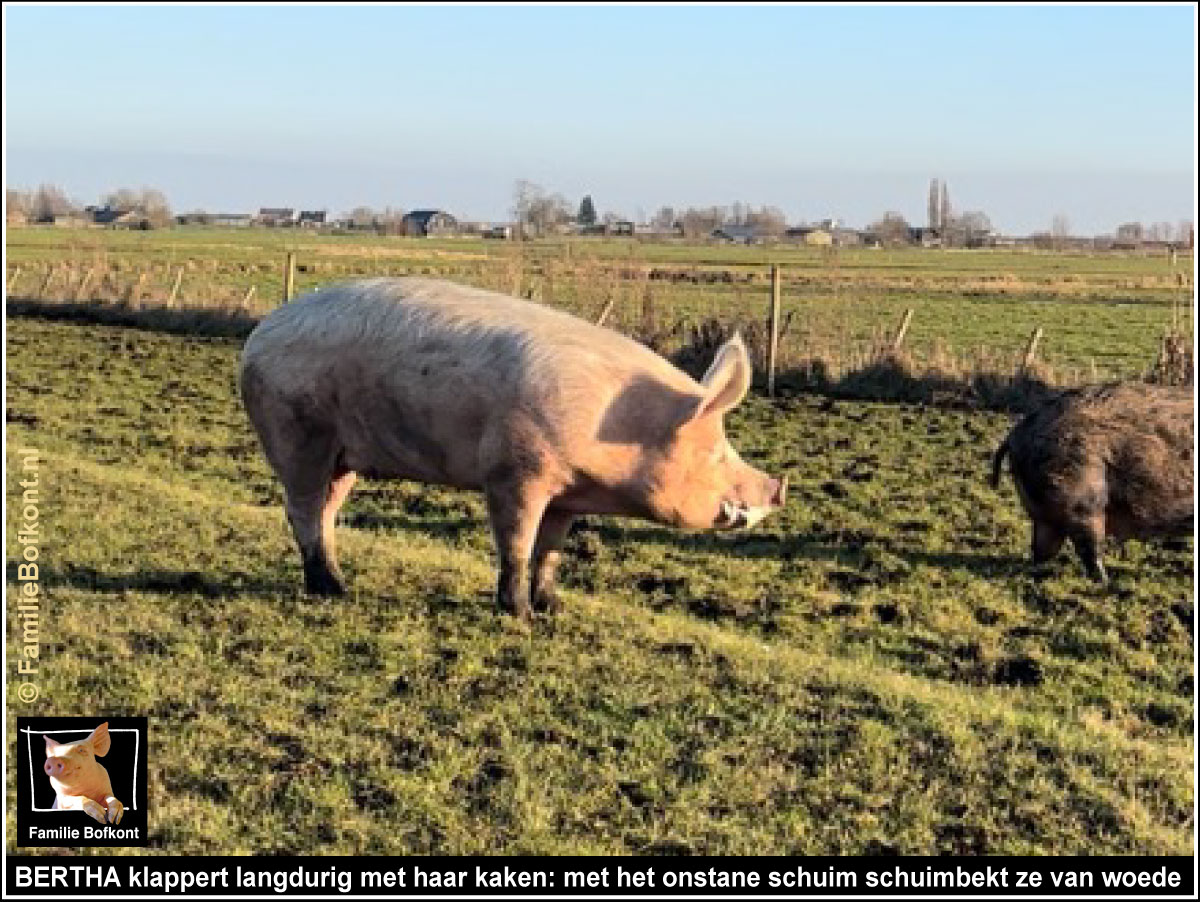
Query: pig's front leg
column 546, row 553
column 116, row 810
column 515, row 512
column 95, row 811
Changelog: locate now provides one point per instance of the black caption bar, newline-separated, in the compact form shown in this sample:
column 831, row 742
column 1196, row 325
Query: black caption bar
column 34, row 876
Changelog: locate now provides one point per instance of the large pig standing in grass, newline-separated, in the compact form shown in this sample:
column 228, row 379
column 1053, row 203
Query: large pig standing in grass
column 548, row 415
column 1104, row 461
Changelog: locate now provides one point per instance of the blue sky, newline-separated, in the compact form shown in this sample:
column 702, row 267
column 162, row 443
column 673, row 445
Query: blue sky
column 824, row 111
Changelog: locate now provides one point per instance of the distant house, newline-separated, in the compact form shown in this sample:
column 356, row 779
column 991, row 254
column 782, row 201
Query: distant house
column 740, row 234
column 310, row 219
column 619, row 227
column 815, row 236
column 429, row 224
column 500, row 232
column 117, row 217
column 231, row 220
column 275, row 216
column 924, row 236
column 657, row 230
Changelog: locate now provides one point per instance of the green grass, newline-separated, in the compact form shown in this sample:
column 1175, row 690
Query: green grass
column 873, row 670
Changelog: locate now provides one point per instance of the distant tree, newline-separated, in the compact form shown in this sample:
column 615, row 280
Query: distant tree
column 664, row 219
column 945, row 213
column 700, row 222
column 970, row 229
column 1159, row 231
column 362, row 218
column 769, row 221
column 1130, row 233
column 1185, row 233
column 150, row 203
column 587, row 212
column 18, row 205
column 934, row 209
column 536, row 211
column 892, row 228
column 1060, row 229
column 390, row 221
column 48, row 203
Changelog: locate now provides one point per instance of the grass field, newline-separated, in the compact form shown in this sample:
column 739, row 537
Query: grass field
column 873, row 670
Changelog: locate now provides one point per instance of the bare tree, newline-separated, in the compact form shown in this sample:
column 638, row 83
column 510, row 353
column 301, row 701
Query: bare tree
column 18, row 205
column 945, row 213
column 1130, row 233
column 1185, row 233
column 769, row 222
column 149, row 203
column 664, row 219
column 700, row 222
column 1060, row 229
column 1159, row 231
column 536, row 211
column 892, row 228
column 362, row 218
column 49, row 202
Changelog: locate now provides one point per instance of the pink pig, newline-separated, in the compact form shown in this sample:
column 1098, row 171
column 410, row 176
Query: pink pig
column 79, row 780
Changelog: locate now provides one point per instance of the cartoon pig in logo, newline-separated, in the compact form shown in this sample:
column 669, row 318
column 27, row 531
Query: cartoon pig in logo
column 79, row 780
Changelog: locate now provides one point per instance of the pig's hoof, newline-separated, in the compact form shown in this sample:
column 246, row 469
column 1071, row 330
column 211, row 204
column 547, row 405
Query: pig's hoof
column 95, row 811
column 547, row 602
column 116, row 811
column 323, row 583
column 518, row 609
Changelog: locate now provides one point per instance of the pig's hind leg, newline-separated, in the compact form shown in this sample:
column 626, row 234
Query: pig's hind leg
column 315, row 485
column 546, row 553
column 515, row 514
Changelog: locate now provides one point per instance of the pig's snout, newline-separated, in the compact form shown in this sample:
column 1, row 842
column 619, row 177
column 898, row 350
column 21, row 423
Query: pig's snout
column 54, row 767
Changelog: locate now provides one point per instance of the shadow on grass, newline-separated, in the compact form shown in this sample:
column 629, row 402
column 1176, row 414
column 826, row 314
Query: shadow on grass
column 440, row 527
column 218, row 584
column 214, row 322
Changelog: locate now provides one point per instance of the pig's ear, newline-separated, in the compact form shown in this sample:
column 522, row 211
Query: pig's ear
column 51, row 745
column 100, row 740
column 727, row 379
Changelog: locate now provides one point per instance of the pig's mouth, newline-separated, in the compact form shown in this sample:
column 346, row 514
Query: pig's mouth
column 737, row 514
column 734, row 516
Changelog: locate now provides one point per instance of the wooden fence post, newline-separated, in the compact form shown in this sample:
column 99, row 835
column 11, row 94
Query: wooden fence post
column 50, row 274
column 1031, row 349
column 608, row 307
column 12, row 280
column 175, row 288
column 289, row 276
column 249, row 296
column 773, row 337
column 902, row 330
column 84, row 283
column 135, row 290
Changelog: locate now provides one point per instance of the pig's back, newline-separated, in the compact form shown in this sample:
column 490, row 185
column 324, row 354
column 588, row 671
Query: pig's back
column 386, row 322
